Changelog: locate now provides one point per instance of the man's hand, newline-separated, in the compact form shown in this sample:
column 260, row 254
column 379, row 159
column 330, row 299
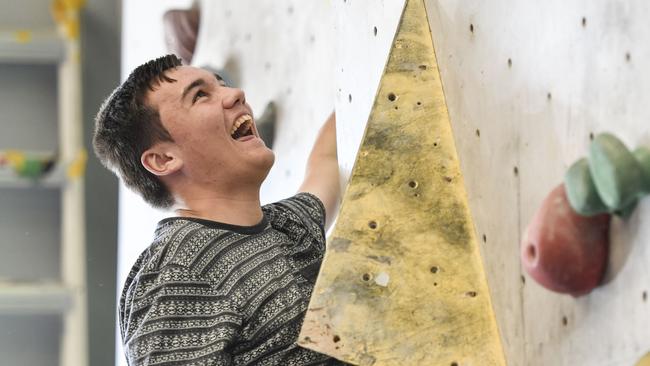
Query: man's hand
column 322, row 175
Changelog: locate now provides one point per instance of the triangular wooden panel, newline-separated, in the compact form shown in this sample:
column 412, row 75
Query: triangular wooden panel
column 402, row 282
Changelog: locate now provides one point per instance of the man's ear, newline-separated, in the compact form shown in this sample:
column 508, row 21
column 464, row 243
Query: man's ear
column 161, row 159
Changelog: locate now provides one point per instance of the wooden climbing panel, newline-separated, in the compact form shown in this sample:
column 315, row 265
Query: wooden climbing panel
column 402, row 282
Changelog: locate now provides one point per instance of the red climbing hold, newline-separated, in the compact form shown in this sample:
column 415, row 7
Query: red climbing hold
column 563, row 251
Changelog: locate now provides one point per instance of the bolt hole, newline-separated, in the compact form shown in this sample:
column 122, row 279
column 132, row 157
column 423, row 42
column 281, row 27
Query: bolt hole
column 396, row 107
column 523, row 279
column 448, row 179
column 435, row 283
column 365, row 277
column 372, row 225
column 478, row 133
column 413, row 184
column 419, row 103
column 515, row 170
column 549, row 96
column 471, row 28
column 565, row 321
column 435, row 144
column 434, row 269
column 584, row 21
column 392, row 97
column 336, row 339
column 484, row 238
column 374, row 30
column 350, row 98
column 591, row 136
column 454, row 364
column 509, row 62
column 471, row 293
column 423, row 67
column 644, row 296
column 628, row 57
column 531, row 252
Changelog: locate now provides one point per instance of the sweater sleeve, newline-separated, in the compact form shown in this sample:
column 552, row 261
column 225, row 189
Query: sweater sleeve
column 302, row 214
column 175, row 317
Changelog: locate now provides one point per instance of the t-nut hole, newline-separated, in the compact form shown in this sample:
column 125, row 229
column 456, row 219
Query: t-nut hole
column 531, row 252
column 372, row 224
column 392, row 97
column 413, row 184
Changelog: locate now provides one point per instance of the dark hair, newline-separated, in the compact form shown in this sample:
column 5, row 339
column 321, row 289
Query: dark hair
column 126, row 126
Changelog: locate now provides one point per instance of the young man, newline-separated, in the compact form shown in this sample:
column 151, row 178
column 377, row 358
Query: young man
column 226, row 281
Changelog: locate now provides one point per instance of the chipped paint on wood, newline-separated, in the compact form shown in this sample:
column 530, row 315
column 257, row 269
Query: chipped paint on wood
column 403, row 282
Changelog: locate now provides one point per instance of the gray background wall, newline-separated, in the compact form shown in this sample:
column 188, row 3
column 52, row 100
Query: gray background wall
column 29, row 219
column 101, row 73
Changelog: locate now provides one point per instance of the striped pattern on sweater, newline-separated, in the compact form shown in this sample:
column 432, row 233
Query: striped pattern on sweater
column 208, row 293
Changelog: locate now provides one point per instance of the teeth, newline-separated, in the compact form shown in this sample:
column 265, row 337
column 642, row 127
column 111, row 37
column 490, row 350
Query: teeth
column 243, row 119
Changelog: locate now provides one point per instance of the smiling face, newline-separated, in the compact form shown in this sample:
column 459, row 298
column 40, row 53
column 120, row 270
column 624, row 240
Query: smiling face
column 215, row 138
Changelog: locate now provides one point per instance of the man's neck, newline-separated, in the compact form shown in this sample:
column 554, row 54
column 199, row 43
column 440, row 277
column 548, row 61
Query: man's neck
column 241, row 209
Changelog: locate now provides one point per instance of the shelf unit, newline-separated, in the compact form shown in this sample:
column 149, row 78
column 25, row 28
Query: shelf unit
column 67, row 297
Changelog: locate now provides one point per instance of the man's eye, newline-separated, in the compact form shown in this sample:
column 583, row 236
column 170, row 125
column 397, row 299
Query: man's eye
column 198, row 95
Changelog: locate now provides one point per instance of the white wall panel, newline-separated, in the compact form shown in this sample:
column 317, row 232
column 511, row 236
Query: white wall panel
column 518, row 125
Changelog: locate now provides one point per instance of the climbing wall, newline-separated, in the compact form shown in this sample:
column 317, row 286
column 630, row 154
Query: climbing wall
column 526, row 85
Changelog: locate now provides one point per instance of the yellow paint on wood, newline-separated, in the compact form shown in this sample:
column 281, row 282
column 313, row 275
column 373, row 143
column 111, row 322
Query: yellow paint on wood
column 23, row 36
column 77, row 168
column 66, row 14
column 402, row 282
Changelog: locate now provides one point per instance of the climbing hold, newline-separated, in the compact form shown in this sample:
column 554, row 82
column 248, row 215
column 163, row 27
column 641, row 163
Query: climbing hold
column 581, row 190
column 563, row 251
column 611, row 180
column 181, row 27
column 642, row 155
column 616, row 173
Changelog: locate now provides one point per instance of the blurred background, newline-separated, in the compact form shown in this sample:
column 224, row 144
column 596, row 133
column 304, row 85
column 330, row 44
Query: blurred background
column 528, row 86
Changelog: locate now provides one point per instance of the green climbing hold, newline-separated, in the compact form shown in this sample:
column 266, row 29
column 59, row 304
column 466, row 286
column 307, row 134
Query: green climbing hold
column 581, row 191
column 615, row 172
column 642, row 155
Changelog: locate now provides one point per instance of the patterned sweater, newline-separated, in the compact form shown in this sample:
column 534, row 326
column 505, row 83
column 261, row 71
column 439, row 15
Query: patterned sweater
column 208, row 293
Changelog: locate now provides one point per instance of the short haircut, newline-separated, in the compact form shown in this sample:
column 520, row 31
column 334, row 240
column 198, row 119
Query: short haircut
column 126, row 126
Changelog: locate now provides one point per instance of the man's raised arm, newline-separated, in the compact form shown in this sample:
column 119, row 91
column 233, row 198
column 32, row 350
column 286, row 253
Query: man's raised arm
column 322, row 175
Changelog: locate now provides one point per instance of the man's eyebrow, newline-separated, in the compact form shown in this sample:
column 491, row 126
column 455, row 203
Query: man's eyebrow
column 193, row 84
column 219, row 78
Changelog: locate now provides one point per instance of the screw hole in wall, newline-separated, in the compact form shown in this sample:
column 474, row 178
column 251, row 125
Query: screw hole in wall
column 644, row 296
column 374, row 30
column 484, row 238
column 392, row 97
column 591, row 136
column 434, row 269
column 628, row 57
column 471, row 28
column 336, row 339
column 549, row 96
column 365, row 277
column 515, row 170
column 372, row 225
column 478, row 133
column 565, row 321
column 413, row 184
column 584, row 21
column 350, row 98
column 509, row 62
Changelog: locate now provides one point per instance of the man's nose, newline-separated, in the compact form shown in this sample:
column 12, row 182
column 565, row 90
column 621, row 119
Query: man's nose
column 234, row 97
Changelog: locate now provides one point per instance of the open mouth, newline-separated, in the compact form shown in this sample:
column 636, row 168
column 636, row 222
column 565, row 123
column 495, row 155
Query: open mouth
column 242, row 127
